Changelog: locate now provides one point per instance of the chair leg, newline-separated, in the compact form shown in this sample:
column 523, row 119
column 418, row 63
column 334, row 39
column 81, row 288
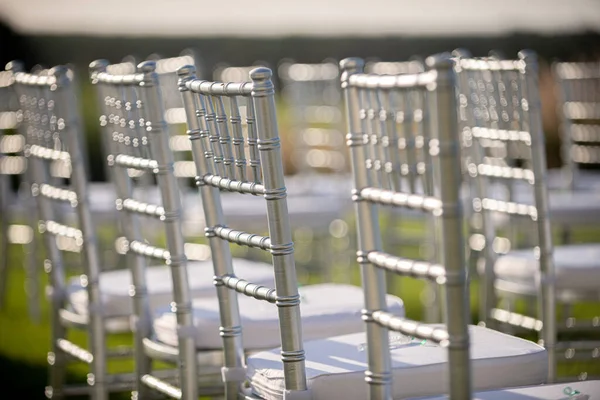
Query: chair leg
column 97, row 339
column 143, row 363
column 57, row 359
column 4, row 244
column 32, row 274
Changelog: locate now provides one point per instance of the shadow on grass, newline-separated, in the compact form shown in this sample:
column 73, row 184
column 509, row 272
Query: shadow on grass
column 27, row 381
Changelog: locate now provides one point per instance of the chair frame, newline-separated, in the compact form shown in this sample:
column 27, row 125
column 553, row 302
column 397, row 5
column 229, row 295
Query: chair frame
column 439, row 83
column 8, row 145
column 215, row 162
column 40, row 95
column 145, row 84
column 531, row 135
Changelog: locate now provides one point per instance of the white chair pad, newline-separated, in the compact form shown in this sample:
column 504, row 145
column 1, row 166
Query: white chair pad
column 588, row 390
column 327, row 310
column 335, row 366
column 577, row 266
column 115, row 285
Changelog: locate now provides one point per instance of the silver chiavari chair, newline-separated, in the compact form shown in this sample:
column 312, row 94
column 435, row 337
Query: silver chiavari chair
column 411, row 144
column 127, row 99
column 16, row 225
column 133, row 117
column 50, row 123
column 395, row 365
column 219, row 154
column 579, row 100
column 543, row 274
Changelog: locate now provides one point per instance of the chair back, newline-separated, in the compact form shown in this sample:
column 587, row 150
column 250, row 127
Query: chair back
column 12, row 143
column 132, row 117
column 214, row 113
column 52, row 131
column 379, row 107
column 579, row 109
column 503, row 141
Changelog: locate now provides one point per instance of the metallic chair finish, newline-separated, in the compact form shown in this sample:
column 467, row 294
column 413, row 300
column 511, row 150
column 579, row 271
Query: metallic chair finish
column 13, row 164
column 504, row 141
column 133, row 119
column 222, row 165
column 378, row 184
column 52, row 130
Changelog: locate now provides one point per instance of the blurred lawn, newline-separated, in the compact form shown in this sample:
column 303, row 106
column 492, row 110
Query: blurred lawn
column 23, row 344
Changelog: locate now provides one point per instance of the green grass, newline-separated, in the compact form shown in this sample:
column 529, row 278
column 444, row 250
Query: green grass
column 23, row 343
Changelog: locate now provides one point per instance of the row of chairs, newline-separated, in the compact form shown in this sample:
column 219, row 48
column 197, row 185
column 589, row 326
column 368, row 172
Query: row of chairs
column 314, row 361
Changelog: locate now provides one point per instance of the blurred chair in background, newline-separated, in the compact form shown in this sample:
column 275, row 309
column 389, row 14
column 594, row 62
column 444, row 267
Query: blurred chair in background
column 17, row 207
column 579, row 104
column 406, row 228
column 53, row 134
column 505, row 141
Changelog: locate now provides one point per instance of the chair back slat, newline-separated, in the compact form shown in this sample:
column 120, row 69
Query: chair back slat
column 426, row 99
column 209, row 147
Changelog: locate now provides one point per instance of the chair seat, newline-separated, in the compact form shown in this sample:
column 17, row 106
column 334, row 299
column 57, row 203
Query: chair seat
column 335, row 366
column 327, row 310
column 577, row 267
column 115, row 285
column 588, row 390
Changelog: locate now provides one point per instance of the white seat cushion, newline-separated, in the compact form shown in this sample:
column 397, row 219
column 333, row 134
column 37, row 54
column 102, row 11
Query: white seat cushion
column 588, row 390
column 115, row 285
column 577, row 266
column 335, row 366
column 327, row 310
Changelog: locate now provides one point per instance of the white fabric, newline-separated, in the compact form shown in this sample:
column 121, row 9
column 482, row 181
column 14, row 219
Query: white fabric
column 588, row 390
column 335, row 366
column 115, row 285
column 577, row 266
column 327, row 310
